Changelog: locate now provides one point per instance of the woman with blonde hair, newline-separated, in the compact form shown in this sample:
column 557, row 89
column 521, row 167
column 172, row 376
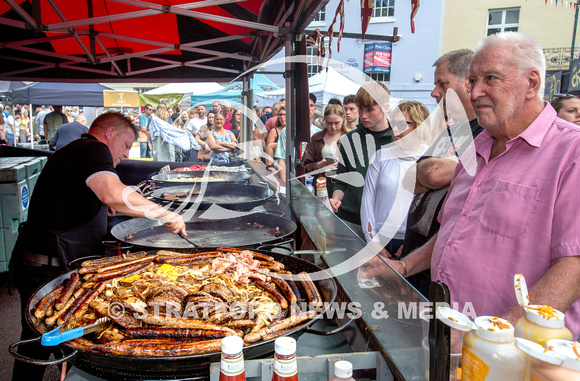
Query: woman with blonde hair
column 68, row 113
column 162, row 151
column 322, row 151
column 24, row 126
column 384, row 178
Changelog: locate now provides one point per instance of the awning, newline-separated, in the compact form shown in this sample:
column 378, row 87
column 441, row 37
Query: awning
column 154, row 41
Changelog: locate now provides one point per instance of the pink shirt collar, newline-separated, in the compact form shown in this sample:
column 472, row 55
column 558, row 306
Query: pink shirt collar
column 533, row 135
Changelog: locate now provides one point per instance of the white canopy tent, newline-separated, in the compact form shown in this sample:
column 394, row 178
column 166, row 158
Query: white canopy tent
column 325, row 85
column 187, row 88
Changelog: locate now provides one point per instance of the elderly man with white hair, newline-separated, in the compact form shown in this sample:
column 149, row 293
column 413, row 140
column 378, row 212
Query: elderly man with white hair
column 519, row 212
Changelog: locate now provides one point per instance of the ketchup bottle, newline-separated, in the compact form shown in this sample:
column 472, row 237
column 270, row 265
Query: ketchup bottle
column 232, row 362
column 285, row 367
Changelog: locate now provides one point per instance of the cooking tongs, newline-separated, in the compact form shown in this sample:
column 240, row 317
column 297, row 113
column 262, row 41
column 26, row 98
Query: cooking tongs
column 55, row 337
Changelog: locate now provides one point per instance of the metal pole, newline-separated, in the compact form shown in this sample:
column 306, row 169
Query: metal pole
column 574, row 34
column 245, row 127
column 31, row 126
column 290, row 113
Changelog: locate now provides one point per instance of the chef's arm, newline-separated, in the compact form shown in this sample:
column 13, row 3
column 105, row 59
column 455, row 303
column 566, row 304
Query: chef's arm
column 435, row 173
column 559, row 287
column 119, row 197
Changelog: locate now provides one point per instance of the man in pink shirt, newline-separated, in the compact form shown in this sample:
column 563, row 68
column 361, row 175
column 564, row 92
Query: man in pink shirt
column 519, row 212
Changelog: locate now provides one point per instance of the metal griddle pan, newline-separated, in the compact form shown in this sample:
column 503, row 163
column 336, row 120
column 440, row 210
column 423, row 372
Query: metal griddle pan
column 234, row 232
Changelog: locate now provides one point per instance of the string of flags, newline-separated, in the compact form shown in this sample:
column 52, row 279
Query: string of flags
column 564, row 4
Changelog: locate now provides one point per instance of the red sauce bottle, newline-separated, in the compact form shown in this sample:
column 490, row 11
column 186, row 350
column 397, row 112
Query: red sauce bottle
column 232, row 362
column 285, row 366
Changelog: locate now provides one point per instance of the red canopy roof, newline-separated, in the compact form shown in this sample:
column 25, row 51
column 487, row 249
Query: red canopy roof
column 134, row 40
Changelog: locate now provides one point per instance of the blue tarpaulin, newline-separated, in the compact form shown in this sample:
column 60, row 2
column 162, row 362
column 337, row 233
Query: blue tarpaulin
column 60, row 94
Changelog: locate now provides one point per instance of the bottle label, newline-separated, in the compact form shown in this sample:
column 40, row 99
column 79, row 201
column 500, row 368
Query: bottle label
column 472, row 367
column 285, row 368
column 232, row 367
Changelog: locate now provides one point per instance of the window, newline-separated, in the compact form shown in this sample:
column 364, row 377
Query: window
column 320, row 16
column 384, row 8
column 379, row 77
column 320, row 19
column 503, row 20
column 312, row 54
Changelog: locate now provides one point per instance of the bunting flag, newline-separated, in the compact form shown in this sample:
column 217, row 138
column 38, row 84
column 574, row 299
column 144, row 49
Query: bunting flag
column 311, row 40
column 366, row 12
column 414, row 8
column 330, row 32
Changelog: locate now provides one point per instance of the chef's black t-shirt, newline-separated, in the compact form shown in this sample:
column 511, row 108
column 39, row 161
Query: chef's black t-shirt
column 61, row 199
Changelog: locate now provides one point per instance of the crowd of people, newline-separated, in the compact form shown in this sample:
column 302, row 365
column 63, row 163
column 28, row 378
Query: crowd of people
column 483, row 189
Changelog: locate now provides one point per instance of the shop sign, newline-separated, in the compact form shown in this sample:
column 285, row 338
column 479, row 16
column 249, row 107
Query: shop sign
column 574, row 76
column 377, row 58
column 120, row 98
column 553, row 85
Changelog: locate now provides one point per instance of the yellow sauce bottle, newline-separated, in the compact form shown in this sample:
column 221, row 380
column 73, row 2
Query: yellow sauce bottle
column 540, row 323
column 558, row 361
column 489, row 352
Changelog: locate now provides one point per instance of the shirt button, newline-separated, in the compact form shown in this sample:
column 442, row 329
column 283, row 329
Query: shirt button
column 449, row 243
column 464, row 214
column 478, row 184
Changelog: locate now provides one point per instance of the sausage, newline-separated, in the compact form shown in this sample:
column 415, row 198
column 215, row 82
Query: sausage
column 137, row 271
column 262, row 257
column 170, row 348
column 84, row 306
column 172, row 322
column 252, row 337
column 67, row 292
column 239, row 324
column 76, row 305
column 124, row 319
column 88, row 269
column 285, row 288
column 260, row 322
column 46, row 302
column 186, row 261
column 310, row 289
column 121, row 272
column 110, row 260
column 57, row 314
column 290, row 322
column 272, row 266
column 84, row 344
column 122, row 264
column 269, row 336
column 272, row 291
column 255, row 255
column 176, row 333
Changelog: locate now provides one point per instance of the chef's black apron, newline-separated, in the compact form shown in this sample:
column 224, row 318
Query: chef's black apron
column 82, row 241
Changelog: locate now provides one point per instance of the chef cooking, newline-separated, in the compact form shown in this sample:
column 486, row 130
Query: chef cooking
column 76, row 191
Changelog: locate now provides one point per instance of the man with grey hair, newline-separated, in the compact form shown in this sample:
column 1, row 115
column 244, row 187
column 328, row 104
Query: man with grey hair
column 69, row 132
column 434, row 171
column 518, row 213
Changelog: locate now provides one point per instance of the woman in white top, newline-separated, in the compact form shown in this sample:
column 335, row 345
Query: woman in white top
column 385, row 202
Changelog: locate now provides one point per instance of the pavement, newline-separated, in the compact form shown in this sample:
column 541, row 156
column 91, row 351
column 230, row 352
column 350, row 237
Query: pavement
column 10, row 331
